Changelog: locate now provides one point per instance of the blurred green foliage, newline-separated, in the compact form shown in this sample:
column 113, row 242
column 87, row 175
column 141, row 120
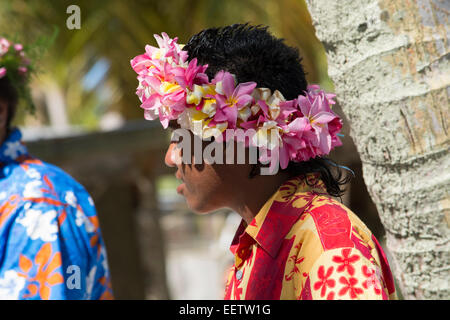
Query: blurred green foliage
column 118, row 30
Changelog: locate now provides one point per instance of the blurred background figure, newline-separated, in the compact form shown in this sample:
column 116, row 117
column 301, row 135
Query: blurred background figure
column 50, row 242
column 88, row 122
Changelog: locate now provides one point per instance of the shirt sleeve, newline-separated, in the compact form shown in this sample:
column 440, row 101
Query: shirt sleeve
column 55, row 250
column 344, row 274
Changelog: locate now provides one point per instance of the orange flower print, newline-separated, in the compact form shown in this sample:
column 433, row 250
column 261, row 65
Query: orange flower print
column 346, row 261
column 107, row 294
column 324, row 281
column 49, row 217
column 45, row 276
column 350, row 286
column 8, row 207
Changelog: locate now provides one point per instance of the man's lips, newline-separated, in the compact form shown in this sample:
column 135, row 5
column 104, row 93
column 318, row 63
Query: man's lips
column 180, row 188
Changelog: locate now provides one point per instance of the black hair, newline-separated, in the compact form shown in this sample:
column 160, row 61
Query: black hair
column 251, row 53
column 9, row 94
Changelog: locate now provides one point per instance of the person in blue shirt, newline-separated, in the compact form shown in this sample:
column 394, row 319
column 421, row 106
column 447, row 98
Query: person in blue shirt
column 51, row 245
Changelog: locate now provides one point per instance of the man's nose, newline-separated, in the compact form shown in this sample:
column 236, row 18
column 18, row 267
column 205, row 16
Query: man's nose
column 170, row 159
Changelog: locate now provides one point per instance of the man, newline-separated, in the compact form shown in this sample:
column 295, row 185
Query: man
column 50, row 242
column 295, row 241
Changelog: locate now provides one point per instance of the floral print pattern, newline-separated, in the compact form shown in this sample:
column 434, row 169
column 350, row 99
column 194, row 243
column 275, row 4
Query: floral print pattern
column 48, row 227
column 305, row 245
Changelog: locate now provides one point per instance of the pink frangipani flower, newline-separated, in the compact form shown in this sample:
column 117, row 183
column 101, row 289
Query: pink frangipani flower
column 230, row 98
column 193, row 74
column 319, row 115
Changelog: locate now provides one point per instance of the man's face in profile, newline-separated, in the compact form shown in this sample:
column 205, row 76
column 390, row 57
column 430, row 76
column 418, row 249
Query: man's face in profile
column 205, row 186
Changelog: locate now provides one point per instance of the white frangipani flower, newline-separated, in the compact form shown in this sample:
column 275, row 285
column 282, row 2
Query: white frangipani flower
column 40, row 225
column 32, row 189
column 10, row 285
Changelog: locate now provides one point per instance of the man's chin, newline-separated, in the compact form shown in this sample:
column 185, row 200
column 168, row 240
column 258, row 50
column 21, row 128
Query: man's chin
column 199, row 208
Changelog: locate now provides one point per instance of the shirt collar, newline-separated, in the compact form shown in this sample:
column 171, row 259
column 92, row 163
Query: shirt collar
column 12, row 149
column 276, row 218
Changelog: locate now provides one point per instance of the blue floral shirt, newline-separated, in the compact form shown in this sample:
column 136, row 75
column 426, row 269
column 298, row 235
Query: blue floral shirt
column 50, row 241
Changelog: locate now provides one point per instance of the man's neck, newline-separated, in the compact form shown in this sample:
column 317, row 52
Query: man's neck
column 254, row 193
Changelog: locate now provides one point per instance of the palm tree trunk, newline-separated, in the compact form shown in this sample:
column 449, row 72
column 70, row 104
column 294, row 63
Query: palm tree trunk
column 389, row 61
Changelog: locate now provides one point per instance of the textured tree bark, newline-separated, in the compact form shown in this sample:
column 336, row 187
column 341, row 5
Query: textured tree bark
column 389, row 61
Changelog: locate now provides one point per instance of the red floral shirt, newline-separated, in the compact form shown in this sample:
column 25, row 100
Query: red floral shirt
column 305, row 245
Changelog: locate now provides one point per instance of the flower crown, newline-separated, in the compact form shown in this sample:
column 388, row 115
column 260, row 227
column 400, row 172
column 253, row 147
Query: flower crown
column 15, row 65
column 171, row 88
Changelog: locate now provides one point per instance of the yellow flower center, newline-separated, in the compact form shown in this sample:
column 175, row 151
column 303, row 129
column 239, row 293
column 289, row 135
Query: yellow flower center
column 168, row 87
column 231, row 101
